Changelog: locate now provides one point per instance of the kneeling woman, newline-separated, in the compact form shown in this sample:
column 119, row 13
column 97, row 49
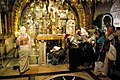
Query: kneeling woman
column 23, row 41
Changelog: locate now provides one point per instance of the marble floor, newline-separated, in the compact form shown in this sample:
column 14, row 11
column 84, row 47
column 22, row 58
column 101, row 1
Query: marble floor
column 46, row 72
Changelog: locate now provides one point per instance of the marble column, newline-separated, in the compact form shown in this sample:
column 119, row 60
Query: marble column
column 42, row 53
column 0, row 24
column 6, row 29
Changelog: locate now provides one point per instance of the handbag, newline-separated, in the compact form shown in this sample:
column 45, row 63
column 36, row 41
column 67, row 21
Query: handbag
column 111, row 54
column 105, row 67
column 98, row 66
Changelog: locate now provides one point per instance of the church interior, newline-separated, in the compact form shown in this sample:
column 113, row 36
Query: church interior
column 47, row 22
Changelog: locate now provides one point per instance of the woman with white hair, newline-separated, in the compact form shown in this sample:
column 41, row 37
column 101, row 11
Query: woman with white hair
column 23, row 41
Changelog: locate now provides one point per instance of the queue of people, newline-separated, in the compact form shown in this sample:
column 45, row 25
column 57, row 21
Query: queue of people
column 101, row 45
column 103, row 48
column 81, row 49
column 77, row 46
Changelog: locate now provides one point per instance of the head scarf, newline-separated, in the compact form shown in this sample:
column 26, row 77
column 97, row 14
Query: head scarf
column 22, row 30
column 66, row 36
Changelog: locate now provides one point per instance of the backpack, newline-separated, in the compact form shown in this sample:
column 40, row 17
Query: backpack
column 111, row 54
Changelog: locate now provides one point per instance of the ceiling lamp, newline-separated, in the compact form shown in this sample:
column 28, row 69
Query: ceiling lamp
column 74, row 1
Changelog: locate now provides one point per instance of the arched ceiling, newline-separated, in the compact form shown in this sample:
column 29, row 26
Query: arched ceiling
column 115, row 11
column 6, row 5
column 16, row 6
column 102, row 8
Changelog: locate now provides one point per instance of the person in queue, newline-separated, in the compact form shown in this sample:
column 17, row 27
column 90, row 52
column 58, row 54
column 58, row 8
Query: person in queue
column 117, row 46
column 99, row 44
column 76, row 53
column 99, row 54
column 23, row 41
column 81, row 35
column 92, row 39
column 110, row 39
column 72, row 46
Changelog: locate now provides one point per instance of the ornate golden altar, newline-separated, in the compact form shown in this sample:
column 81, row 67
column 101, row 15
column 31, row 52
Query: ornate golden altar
column 52, row 37
column 42, row 42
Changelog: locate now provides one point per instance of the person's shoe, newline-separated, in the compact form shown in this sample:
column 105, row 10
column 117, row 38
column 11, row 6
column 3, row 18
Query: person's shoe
column 15, row 67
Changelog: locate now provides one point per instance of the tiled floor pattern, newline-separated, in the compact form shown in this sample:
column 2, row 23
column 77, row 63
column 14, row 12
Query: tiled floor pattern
column 35, row 69
column 79, row 74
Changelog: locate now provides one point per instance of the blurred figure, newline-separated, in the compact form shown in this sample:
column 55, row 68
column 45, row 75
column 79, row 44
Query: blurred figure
column 118, row 47
column 81, row 35
column 109, row 40
column 23, row 41
column 99, row 44
column 83, row 32
column 93, row 37
column 78, row 36
column 99, row 54
column 73, row 54
column 57, row 55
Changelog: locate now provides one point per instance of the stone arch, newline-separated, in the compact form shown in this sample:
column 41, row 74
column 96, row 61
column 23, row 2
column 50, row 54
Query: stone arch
column 16, row 10
column 115, row 11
